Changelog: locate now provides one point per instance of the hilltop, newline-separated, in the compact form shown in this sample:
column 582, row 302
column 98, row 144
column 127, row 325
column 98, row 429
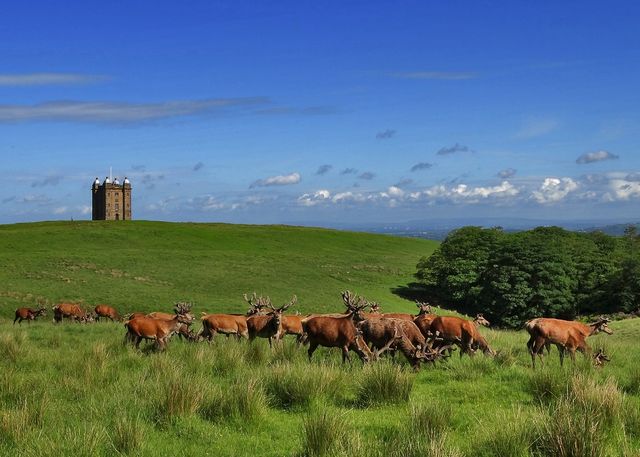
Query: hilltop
column 143, row 265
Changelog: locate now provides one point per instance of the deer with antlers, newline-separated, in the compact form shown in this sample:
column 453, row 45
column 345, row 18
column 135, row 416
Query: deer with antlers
column 339, row 330
column 267, row 325
column 157, row 330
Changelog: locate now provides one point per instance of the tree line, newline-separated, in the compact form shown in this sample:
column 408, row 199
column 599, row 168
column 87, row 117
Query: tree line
column 547, row 271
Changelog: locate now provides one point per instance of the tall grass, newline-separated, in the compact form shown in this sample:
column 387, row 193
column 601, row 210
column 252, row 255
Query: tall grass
column 244, row 401
column 383, row 383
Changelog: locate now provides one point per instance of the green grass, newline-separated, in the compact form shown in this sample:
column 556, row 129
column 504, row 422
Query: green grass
column 144, row 265
column 74, row 389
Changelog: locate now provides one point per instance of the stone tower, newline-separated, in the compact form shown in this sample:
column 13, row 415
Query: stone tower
column 111, row 201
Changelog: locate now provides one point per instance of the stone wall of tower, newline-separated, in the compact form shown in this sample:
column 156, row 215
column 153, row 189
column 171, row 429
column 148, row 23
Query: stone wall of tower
column 111, row 202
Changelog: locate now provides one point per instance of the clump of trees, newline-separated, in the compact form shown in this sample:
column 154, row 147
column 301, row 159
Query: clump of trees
column 547, row 271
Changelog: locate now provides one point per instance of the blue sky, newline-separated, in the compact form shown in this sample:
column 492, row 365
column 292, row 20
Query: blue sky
column 322, row 112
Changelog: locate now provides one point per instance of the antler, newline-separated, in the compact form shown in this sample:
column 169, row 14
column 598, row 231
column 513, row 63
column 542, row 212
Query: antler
column 293, row 301
column 396, row 336
column 352, row 301
column 374, row 307
column 182, row 307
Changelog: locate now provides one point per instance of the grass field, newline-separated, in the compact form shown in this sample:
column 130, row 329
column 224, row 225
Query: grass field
column 74, row 389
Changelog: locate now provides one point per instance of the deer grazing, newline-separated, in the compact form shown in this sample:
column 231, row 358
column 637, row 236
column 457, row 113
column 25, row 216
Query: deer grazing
column 157, row 330
column 402, row 335
column 424, row 318
column 70, row 311
column 339, row 331
column 107, row 312
column 462, row 332
column 267, row 325
column 567, row 336
column 28, row 314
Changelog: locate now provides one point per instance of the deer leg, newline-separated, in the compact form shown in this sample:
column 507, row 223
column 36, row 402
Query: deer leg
column 561, row 351
column 345, row 354
column 537, row 347
column 312, row 347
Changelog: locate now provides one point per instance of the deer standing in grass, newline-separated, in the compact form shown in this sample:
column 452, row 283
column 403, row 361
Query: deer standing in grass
column 267, row 325
column 462, row 332
column 106, row 311
column 230, row 324
column 157, row 330
column 339, row 331
column 28, row 314
column 567, row 336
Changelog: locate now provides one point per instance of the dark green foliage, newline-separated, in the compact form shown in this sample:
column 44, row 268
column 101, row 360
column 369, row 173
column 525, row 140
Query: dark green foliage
column 548, row 271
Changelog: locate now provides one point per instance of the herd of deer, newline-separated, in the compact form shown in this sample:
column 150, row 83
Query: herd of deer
column 425, row 337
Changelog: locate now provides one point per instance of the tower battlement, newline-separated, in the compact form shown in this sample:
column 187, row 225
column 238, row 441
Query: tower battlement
column 111, row 201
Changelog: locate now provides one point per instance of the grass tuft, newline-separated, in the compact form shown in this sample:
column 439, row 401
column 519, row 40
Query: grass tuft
column 383, row 383
column 127, row 434
column 244, row 400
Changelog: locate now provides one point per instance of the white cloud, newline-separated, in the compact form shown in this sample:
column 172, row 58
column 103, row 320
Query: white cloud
column 119, row 112
column 280, row 180
column 60, row 210
column 443, row 75
column 315, row 198
column 596, row 156
column 554, row 190
column 395, row 191
column 47, row 79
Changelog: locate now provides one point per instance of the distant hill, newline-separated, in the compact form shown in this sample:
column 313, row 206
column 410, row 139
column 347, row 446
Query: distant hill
column 141, row 265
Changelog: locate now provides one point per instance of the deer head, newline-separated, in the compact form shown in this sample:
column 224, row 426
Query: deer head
column 374, row 308
column 600, row 358
column 183, row 311
column 256, row 304
column 423, row 308
column 601, row 325
column 355, row 304
column 480, row 320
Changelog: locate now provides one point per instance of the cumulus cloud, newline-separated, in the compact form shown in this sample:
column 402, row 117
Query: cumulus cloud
column 596, row 156
column 386, row 134
column 553, row 190
column 462, row 193
column 633, row 177
column 51, row 180
column 40, row 200
column 442, row 75
column 47, row 79
column 198, row 166
column 507, row 173
column 349, row 171
column 421, row 166
column 206, row 203
column 121, row 112
column 324, row 169
column 367, row 176
column 315, row 198
column 280, row 180
column 395, row 191
column 452, row 149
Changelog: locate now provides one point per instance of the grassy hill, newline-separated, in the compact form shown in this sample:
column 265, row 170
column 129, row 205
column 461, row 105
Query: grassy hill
column 75, row 390
column 144, row 265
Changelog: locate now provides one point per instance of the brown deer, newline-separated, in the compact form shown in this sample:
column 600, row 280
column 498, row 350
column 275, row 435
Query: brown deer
column 267, row 325
column 461, row 332
column 157, row 330
column 424, row 318
column 339, row 331
column 70, row 311
column 229, row 324
column 106, row 311
column 28, row 314
column 565, row 335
